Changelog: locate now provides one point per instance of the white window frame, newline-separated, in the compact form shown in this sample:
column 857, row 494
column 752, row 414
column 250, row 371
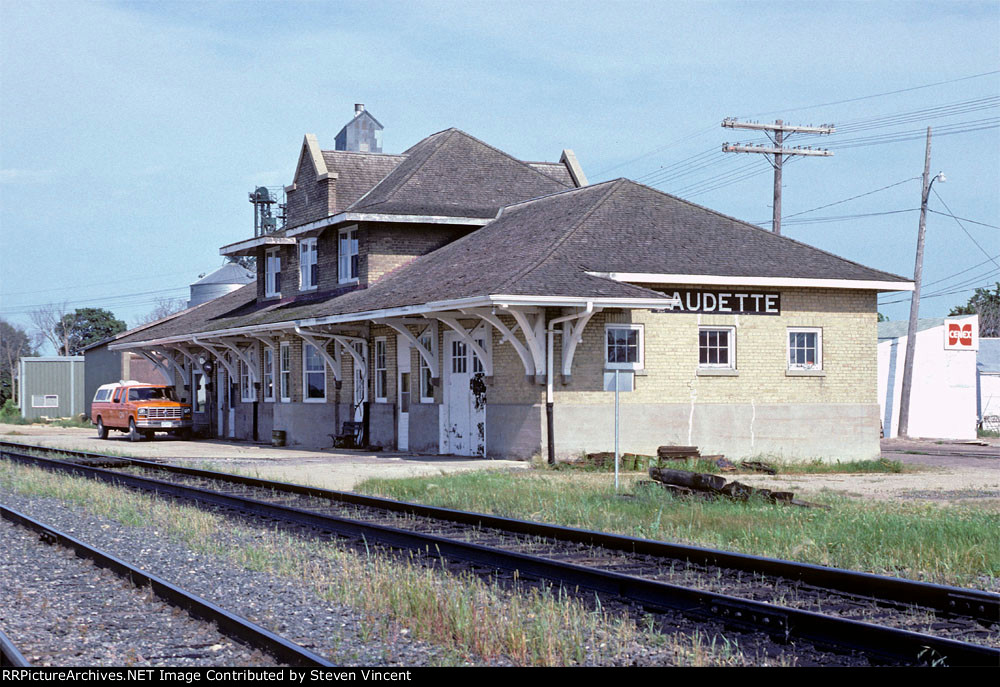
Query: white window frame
column 306, row 371
column 426, row 389
column 308, row 265
column 818, row 331
column 346, row 260
column 272, row 273
column 381, row 372
column 46, row 400
column 730, row 348
column 246, row 389
column 638, row 365
column 285, row 378
column 268, row 377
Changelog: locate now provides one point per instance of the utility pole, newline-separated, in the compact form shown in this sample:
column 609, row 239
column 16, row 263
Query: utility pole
column 776, row 152
column 911, row 330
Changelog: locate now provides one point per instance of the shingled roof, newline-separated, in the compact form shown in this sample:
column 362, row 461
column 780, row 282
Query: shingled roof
column 452, row 174
column 357, row 172
column 548, row 247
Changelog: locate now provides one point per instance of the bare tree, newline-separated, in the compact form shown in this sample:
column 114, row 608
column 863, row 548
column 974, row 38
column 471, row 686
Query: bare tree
column 49, row 325
column 14, row 344
column 164, row 307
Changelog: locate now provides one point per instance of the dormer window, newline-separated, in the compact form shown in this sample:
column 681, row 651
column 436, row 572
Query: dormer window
column 272, row 274
column 347, row 256
column 308, row 265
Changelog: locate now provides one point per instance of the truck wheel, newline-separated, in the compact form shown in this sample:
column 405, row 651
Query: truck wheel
column 102, row 431
column 133, row 433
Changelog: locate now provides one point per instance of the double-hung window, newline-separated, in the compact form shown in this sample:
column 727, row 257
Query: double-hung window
column 246, row 387
column 717, row 348
column 313, row 375
column 268, row 384
column 381, row 371
column 347, row 256
column 272, row 273
column 623, row 347
column 285, row 356
column 805, row 348
column 308, row 265
column 426, row 388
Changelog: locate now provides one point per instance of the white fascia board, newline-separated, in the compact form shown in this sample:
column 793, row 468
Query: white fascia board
column 402, row 311
column 246, row 247
column 716, row 280
column 348, row 217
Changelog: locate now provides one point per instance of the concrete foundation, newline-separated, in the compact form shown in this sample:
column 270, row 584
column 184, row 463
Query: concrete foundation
column 791, row 432
column 515, row 431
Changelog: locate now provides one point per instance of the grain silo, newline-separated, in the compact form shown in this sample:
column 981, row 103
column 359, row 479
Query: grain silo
column 227, row 278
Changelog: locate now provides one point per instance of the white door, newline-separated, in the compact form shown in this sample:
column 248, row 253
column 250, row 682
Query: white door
column 403, row 391
column 464, row 409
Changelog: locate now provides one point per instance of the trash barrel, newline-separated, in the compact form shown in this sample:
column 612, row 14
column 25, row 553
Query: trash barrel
column 278, row 437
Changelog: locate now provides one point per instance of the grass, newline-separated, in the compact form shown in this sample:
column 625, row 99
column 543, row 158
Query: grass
column 471, row 619
column 946, row 544
column 991, row 433
column 810, row 467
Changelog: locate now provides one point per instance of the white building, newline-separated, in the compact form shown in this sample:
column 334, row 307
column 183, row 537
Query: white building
column 988, row 371
column 943, row 398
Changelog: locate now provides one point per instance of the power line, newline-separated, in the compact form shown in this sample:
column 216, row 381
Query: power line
column 945, row 293
column 876, row 95
column 971, row 238
column 964, row 219
column 845, row 200
column 100, row 283
column 123, row 300
column 841, row 218
column 969, row 269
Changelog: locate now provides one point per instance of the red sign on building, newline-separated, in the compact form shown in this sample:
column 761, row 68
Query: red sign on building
column 960, row 336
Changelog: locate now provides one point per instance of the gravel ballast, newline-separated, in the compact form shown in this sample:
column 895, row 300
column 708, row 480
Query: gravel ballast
column 285, row 606
column 61, row 610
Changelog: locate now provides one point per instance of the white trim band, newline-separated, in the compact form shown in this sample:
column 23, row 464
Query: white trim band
column 716, row 280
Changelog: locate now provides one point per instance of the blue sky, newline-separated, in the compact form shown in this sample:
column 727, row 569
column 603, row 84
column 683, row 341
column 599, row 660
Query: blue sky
column 130, row 133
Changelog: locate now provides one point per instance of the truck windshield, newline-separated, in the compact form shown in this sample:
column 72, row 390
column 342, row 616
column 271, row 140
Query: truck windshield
column 152, row 393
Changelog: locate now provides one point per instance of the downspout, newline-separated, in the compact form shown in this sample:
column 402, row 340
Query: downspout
column 549, row 360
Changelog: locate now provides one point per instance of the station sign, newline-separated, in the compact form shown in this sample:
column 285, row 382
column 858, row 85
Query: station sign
column 734, row 302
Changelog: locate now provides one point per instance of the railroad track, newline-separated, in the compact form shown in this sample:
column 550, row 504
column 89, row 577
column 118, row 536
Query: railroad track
column 87, row 604
column 838, row 610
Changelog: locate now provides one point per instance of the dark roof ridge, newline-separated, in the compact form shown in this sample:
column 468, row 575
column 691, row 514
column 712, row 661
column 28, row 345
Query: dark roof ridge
column 573, row 189
column 754, row 226
column 612, row 186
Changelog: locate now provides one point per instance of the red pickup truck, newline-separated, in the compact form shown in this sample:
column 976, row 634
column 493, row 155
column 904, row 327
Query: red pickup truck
column 140, row 410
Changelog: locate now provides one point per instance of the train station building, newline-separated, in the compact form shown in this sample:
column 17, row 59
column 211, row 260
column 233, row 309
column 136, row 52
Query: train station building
column 452, row 299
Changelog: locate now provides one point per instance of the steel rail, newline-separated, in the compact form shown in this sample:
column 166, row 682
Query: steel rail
column 881, row 643
column 10, row 657
column 943, row 599
column 229, row 624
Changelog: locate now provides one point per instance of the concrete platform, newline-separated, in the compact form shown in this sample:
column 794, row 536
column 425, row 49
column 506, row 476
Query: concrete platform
column 329, row 468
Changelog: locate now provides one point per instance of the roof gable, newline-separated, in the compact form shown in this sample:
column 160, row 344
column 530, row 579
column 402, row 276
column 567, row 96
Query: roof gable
column 310, row 151
column 452, row 174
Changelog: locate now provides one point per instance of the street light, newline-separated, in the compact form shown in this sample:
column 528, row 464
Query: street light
column 911, row 330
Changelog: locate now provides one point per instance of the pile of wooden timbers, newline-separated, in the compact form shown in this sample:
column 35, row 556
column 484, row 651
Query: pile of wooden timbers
column 712, row 486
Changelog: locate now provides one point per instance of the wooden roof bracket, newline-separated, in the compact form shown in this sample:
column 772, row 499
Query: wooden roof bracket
column 572, row 335
column 507, row 334
column 534, row 335
column 467, row 338
column 428, row 355
column 218, row 356
column 332, row 362
column 245, row 359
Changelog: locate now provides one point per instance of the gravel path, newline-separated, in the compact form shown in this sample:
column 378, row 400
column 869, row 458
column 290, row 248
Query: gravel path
column 287, row 607
column 61, row 610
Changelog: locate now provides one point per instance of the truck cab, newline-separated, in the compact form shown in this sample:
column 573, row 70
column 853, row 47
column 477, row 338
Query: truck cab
column 140, row 410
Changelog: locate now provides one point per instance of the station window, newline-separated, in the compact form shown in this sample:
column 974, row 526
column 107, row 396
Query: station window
column 717, row 347
column 623, row 348
column 381, row 371
column 272, row 273
column 308, row 265
column 313, row 375
column 805, row 348
column 268, row 384
column 285, row 354
column 347, row 256
column 247, row 393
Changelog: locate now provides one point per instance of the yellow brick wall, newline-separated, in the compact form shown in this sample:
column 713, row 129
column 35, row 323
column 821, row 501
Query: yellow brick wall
column 848, row 319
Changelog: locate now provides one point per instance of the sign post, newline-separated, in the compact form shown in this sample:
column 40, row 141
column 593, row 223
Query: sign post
column 618, row 381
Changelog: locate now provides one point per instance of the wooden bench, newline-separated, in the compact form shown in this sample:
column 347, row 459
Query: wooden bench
column 350, row 435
